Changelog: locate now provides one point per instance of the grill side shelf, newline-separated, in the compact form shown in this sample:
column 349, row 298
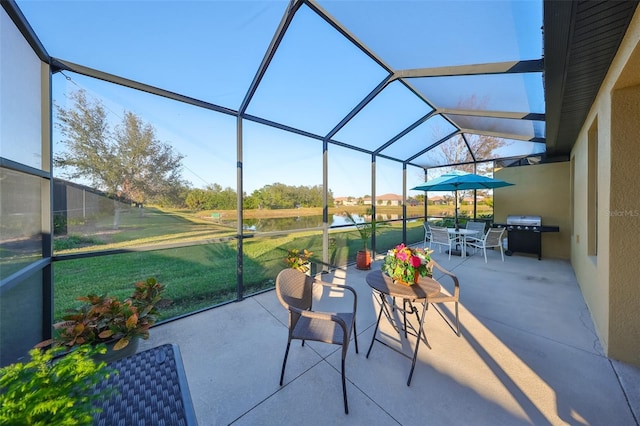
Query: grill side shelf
column 547, row 228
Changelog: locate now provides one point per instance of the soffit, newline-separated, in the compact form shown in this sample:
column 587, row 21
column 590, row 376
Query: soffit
column 581, row 39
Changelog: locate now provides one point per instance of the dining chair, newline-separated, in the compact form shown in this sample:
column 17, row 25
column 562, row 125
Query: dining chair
column 475, row 226
column 295, row 292
column 440, row 236
column 427, row 234
column 444, row 296
column 493, row 238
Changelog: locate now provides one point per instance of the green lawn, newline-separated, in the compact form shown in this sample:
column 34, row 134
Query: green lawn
column 136, row 228
column 199, row 276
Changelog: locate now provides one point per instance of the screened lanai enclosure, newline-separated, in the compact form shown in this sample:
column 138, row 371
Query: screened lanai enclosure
column 169, row 138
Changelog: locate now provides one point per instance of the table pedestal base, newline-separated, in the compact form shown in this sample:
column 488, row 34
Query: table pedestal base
column 457, row 252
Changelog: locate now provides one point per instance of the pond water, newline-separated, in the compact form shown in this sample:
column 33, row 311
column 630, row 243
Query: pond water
column 295, row 222
column 303, row 222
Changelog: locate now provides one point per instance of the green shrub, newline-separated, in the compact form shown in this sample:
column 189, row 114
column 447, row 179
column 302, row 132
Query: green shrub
column 52, row 391
column 74, row 241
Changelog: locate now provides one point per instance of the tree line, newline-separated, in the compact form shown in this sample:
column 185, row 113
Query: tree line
column 273, row 196
column 130, row 162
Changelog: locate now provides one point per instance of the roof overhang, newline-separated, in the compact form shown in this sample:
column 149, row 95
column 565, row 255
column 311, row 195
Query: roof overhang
column 581, row 39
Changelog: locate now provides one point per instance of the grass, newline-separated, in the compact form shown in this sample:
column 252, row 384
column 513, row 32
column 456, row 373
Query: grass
column 199, row 276
column 154, row 227
column 73, row 241
column 196, row 276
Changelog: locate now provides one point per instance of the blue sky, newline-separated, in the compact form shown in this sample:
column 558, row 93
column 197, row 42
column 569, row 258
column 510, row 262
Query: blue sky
column 210, row 50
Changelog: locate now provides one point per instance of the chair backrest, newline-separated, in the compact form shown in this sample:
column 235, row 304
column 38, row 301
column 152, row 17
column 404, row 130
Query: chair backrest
column 493, row 237
column 294, row 288
column 435, row 267
column 476, row 226
column 440, row 235
column 427, row 230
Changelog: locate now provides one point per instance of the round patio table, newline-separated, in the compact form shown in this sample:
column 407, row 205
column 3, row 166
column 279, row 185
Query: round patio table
column 462, row 234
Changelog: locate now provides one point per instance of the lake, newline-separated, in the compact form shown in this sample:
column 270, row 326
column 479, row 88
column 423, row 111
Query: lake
column 304, row 222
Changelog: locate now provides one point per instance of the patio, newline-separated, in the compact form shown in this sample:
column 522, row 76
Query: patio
column 528, row 354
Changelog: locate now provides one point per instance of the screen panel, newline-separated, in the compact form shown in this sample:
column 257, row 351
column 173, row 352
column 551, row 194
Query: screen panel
column 20, row 98
column 20, row 221
column 21, row 317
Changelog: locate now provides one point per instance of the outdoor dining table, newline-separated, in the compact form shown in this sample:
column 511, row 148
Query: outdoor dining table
column 462, row 234
column 385, row 287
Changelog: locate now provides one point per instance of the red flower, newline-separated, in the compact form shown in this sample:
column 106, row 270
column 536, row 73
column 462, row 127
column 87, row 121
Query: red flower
column 415, row 261
column 402, row 255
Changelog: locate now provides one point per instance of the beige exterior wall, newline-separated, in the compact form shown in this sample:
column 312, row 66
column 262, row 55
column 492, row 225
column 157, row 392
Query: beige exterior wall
column 540, row 190
column 609, row 278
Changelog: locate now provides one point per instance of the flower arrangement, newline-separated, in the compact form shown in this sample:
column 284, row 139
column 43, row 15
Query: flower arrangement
column 298, row 259
column 405, row 264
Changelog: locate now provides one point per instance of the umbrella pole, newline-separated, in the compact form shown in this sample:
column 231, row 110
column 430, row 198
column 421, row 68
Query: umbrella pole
column 455, row 206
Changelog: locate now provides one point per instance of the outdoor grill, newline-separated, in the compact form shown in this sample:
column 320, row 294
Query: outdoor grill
column 524, row 222
column 525, row 234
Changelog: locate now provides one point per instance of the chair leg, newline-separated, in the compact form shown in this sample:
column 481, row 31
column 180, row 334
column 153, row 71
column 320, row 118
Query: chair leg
column 404, row 317
column 484, row 249
column 284, row 363
column 502, row 252
column 344, row 390
column 355, row 335
column 457, row 321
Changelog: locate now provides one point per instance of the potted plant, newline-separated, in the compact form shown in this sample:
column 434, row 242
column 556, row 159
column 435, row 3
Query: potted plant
column 51, row 390
column 299, row 259
column 105, row 319
column 365, row 229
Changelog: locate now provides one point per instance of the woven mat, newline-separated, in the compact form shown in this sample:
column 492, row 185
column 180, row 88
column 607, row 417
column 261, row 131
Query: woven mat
column 150, row 389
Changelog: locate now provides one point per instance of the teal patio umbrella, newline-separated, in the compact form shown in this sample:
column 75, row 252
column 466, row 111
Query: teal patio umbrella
column 457, row 180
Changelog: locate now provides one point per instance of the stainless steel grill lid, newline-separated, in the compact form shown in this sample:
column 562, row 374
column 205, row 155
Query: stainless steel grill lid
column 524, row 220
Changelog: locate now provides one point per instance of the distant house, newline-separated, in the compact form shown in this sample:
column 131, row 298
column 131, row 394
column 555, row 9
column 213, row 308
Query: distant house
column 438, row 200
column 345, row 201
column 469, row 200
column 381, row 200
column 389, row 200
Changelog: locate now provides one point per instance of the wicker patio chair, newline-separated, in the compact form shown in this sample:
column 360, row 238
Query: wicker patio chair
column 445, row 297
column 442, row 297
column 294, row 290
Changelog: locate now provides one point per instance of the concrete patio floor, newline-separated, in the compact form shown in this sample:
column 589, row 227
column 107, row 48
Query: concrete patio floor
column 528, row 354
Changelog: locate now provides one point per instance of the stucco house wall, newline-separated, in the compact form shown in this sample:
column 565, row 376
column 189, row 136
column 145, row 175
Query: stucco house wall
column 539, row 190
column 604, row 245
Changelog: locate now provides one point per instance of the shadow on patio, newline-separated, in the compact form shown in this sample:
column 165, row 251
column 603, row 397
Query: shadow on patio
column 528, row 354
